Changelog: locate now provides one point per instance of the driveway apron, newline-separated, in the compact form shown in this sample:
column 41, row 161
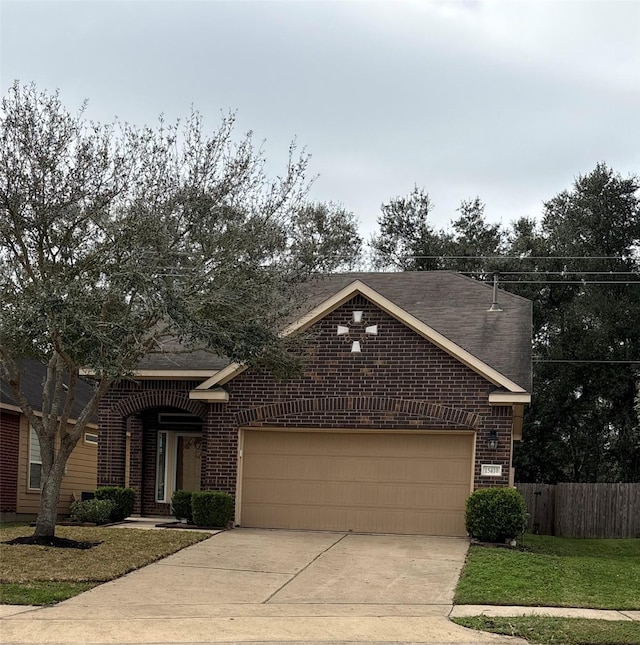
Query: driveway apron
column 270, row 586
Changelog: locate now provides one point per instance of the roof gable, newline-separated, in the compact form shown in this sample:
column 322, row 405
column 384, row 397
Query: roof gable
column 417, row 324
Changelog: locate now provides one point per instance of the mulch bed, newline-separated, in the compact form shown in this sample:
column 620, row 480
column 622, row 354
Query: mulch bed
column 194, row 527
column 53, row 541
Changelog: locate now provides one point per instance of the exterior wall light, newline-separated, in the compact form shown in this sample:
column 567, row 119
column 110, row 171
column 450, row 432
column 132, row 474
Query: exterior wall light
column 492, row 442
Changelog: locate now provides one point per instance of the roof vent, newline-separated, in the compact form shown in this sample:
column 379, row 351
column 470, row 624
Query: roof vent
column 494, row 305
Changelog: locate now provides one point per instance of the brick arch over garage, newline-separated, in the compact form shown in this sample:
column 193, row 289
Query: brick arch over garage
column 416, row 408
column 158, row 399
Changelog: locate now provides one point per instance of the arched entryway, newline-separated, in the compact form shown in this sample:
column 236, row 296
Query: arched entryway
column 161, row 447
column 171, row 456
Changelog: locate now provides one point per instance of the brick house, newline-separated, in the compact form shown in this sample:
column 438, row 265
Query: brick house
column 20, row 462
column 411, row 396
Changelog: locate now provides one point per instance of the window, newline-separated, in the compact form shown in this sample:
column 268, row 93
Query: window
column 35, row 460
column 161, row 467
column 91, row 437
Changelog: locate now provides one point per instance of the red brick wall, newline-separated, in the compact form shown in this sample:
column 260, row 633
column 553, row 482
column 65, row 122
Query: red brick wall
column 396, row 367
column 400, row 380
column 9, row 443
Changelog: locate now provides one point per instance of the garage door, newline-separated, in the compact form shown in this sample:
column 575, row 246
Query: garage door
column 362, row 482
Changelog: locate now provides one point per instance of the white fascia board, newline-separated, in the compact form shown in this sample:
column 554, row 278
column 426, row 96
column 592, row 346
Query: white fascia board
column 162, row 374
column 509, row 398
column 10, row 407
column 38, row 413
column 210, row 396
column 358, row 287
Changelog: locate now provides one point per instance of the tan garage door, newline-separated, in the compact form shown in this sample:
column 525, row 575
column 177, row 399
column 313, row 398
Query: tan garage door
column 364, row 482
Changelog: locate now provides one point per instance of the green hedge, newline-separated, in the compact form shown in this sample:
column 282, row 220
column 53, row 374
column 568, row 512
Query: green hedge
column 97, row 511
column 495, row 514
column 123, row 498
column 181, row 505
column 212, row 508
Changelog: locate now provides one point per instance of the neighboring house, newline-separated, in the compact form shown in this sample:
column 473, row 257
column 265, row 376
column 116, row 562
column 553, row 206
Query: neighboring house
column 20, row 463
column 411, row 396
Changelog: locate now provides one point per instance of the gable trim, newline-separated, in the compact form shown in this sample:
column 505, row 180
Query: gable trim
column 421, row 328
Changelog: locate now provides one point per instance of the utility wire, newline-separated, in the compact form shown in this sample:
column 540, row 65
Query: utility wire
column 553, row 272
column 521, row 257
column 584, row 282
column 549, row 360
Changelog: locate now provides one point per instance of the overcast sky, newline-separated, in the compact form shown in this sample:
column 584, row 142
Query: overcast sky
column 509, row 101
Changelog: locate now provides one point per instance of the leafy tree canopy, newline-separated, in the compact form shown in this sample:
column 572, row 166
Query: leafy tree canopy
column 582, row 425
column 114, row 238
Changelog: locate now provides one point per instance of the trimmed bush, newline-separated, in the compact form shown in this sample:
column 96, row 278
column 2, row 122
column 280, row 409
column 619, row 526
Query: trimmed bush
column 212, row 508
column 123, row 499
column 97, row 511
column 181, row 505
column 495, row 514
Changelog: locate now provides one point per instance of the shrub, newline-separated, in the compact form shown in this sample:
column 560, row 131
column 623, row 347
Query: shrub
column 495, row 514
column 181, row 505
column 123, row 499
column 97, row 511
column 212, row 508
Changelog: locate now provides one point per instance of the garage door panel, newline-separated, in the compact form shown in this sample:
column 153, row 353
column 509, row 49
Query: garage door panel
column 358, row 520
column 342, row 444
column 370, row 482
column 344, row 468
column 364, row 495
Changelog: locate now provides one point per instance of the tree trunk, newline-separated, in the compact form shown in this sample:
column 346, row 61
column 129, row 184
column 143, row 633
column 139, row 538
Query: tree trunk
column 48, row 511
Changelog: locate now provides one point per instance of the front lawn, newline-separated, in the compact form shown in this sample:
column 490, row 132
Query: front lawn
column 567, row 631
column 554, row 572
column 39, row 575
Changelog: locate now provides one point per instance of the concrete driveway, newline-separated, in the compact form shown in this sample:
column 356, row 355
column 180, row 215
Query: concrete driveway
column 262, row 586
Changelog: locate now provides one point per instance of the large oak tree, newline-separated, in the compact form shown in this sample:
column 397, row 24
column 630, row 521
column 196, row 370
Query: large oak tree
column 115, row 238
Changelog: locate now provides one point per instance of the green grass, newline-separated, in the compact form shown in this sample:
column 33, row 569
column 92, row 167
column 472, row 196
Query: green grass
column 41, row 593
column 554, row 572
column 38, row 575
column 559, row 631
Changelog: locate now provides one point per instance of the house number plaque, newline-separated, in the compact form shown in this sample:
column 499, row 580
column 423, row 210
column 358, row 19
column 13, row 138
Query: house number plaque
column 491, row 470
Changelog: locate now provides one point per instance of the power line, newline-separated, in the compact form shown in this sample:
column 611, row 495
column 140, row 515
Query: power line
column 567, row 360
column 522, row 257
column 582, row 282
column 552, row 272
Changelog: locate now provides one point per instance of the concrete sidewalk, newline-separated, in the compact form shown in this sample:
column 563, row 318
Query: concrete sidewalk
column 462, row 611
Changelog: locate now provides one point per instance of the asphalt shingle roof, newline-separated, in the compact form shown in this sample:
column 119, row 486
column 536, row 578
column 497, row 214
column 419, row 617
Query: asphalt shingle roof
column 34, row 374
column 452, row 304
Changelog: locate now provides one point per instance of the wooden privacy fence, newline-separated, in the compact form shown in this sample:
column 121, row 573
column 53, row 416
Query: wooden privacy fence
column 583, row 510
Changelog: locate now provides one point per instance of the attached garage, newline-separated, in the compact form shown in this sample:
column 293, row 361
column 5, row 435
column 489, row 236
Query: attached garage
column 363, row 481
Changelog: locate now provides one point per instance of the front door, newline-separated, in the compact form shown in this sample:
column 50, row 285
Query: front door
column 188, row 462
column 178, row 464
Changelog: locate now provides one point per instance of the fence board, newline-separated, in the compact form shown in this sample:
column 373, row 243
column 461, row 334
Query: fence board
column 540, row 501
column 583, row 510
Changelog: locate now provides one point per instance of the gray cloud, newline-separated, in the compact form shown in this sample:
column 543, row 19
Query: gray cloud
column 505, row 100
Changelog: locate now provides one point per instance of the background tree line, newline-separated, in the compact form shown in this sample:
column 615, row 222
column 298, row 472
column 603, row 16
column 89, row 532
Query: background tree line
column 580, row 265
